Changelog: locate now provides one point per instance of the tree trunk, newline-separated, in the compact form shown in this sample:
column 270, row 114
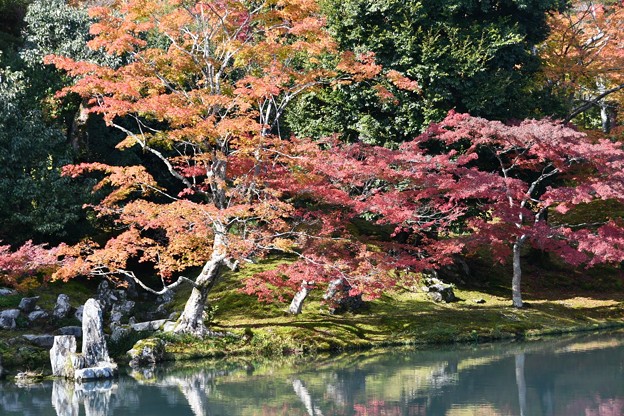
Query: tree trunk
column 297, row 302
column 192, row 319
column 516, row 293
column 78, row 136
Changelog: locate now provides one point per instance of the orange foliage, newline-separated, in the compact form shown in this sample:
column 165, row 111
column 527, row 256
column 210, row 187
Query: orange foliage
column 584, row 54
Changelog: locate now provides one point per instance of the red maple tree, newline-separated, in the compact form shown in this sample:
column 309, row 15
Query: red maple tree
column 534, row 168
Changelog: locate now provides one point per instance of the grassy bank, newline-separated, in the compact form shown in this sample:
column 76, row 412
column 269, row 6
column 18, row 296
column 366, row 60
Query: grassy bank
column 559, row 300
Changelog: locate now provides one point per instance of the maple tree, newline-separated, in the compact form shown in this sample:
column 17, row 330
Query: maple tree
column 202, row 92
column 584, row 56
column 405, row 191
column 534, row 168
column 28, row 260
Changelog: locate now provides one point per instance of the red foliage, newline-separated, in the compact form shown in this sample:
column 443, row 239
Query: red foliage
column 532, row 169
column 28, row 260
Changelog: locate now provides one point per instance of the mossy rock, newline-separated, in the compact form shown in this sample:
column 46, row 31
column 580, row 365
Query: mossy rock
column 147, row 351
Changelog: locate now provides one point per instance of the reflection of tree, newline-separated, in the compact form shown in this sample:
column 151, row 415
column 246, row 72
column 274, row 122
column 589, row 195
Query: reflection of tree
column 194, row 386
column 520, row 382
column 306, row 398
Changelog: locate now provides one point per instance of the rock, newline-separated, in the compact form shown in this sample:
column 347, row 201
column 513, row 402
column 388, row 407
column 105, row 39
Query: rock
column 7, row 292
column 146, row 352
column 149, row 325
column 438, row 291
column 339, row 299
column 78, row 313
column 169, row 326
column 62, row 307
column 71, row 330
column 119, row 332
column 37, row 315
column 93, row 363
column 123, row 308
column 7, row 318
column 102, row 371
column 165, row 298
column 28, row 305
column 161, row 310
column 479, row 300
column 93, row 343
column 173, row 316
column 105, row 295
column 45, row 341
column 63, row 349
column 116, row 317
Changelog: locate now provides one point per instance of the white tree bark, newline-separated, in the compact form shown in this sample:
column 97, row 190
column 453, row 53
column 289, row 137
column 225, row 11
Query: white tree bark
column 297, row 303
column 192, row 319
column 516, row 293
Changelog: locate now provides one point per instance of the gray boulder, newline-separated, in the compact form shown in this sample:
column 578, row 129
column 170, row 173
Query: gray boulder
column 149, row 325
column 93, row 343
column 61, row 354
column 71, row 330
column 28, row 305
column 37, row 315
column 94, row 361
column 99, row 372
column 62, row 308
column 78, row 313
column 118, row 332
column 7, row 318
column 123, row 309
column 166, row 297
column 45, row 341
column 106, row 295
column 438, row 291
column 4, row 291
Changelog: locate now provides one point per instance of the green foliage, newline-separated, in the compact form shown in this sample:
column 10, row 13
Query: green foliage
column 35, row 201
column 475, row 57
column 10, row 301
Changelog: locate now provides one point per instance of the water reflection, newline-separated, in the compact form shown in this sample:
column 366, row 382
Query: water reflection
column 580, row 376
column 95, row 396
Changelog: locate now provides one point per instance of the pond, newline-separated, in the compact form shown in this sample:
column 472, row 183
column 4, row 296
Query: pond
column 582, row 375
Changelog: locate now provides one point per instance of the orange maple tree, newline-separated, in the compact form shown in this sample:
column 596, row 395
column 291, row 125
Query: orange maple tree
column 202, row 89
column 584, row 57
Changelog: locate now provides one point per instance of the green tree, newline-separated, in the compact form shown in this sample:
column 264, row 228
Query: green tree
column 474, row 56
column 35, row 201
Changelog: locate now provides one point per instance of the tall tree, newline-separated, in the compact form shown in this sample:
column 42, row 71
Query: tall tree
column 202, row 92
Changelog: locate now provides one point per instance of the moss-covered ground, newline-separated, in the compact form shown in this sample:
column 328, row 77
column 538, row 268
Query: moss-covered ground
column 559, row 300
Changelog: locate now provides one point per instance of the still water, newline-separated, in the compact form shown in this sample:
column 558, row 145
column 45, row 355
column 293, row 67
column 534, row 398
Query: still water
column 583, row 375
